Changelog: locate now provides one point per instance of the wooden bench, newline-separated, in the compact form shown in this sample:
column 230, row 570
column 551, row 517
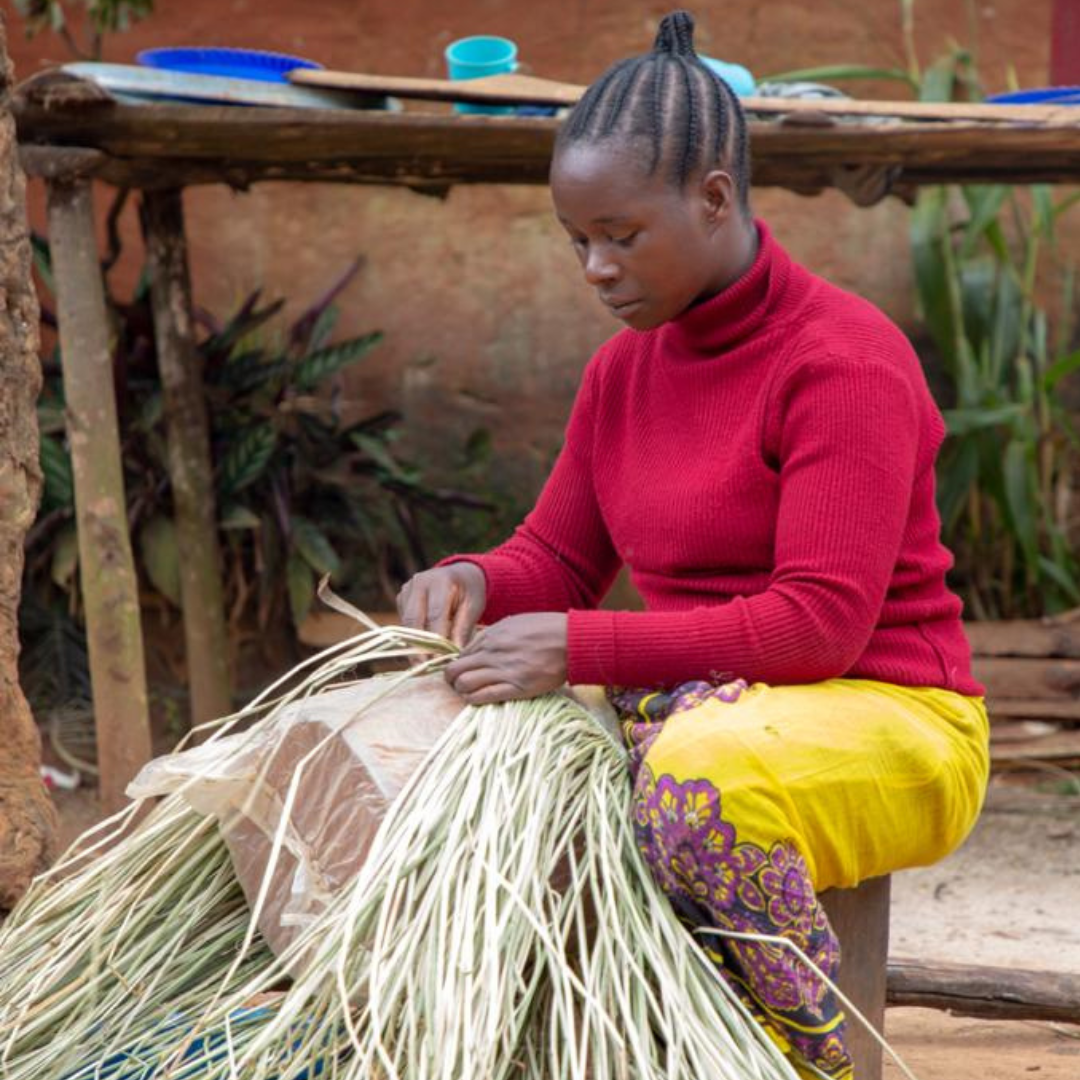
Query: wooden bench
column 860, row 918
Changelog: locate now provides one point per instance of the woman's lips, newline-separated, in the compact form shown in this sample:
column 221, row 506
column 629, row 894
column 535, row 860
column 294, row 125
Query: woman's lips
column 622, row 308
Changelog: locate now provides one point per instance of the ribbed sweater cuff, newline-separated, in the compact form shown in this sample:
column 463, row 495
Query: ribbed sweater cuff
column 591, row 647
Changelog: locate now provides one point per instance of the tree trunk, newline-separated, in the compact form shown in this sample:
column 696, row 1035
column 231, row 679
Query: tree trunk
column 27, row 818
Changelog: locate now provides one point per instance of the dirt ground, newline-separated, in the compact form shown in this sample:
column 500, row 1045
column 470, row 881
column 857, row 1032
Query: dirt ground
column 1010, row 897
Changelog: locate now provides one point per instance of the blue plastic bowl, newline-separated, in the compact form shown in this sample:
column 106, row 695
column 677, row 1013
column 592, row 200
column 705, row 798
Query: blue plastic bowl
column 232, row 63
column 1045, row 95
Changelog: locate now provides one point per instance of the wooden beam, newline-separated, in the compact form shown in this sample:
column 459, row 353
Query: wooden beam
column 191, row 472
column 411, row 147
column 106, row 569
column 993, row 993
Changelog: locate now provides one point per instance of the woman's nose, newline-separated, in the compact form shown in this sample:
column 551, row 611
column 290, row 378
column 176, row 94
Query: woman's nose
column 599, row 268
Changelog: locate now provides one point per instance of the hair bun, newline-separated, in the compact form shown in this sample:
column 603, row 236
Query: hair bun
column 675, row 34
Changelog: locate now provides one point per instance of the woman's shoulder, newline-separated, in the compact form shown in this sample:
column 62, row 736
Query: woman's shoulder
column 833, row 321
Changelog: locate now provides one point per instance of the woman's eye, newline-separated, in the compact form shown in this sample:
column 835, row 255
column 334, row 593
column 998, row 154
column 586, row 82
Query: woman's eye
column 625, row 240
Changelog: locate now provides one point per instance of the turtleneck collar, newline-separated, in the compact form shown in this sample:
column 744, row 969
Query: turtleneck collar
column 718, row 323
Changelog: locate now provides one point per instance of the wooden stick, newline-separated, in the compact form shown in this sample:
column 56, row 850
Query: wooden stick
column 106, row 568
column 191, row 471
column 990, row 992
column 530, row 90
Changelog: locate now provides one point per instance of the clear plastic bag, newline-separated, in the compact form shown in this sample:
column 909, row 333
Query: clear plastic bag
column 318, row 780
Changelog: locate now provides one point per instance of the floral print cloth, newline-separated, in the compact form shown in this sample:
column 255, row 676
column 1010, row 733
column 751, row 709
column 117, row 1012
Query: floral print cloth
column 715, row 879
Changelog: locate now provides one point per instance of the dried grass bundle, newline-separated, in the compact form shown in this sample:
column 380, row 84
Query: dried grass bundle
column 452, row 955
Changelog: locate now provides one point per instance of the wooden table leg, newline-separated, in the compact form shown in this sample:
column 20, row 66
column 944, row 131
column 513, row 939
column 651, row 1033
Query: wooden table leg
column 190, row 467
column 106, row 568
column 860, row 918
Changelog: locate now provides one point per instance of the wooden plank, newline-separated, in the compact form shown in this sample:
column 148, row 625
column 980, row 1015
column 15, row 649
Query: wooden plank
column 1054, row 678
column 492, row 89
column 1033, row 709
column 1024, row 637
column 530, row 90
column 860, row 919
column 1060, row 747
column 191, row 472
column 106, row 568
column 988, row 992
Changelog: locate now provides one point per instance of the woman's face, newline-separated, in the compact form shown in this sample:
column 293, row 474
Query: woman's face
column 649, row 248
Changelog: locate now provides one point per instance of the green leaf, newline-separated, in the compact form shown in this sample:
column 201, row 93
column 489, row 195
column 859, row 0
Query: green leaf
column 1066, row 365
column 377, row 451
column 929, row 234
column 238, row 517
column 317, row 366
column 1061, row 577
column 65, row 560
column 246, row 459
column 42, row 257
column 984, row 202
column 317, row 551
column 961, row 422
column 251, row 370
column 833, row 72
column 55, row 461
column 323, row 328
column 301, row 586
column 957, row 472
column 1043, row 204
column 939, row 79
column 1019, row 494
column 160, row 556
column 1063, row 206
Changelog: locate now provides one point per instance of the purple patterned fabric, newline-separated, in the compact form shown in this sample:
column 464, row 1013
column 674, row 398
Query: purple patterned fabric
column 715, row 880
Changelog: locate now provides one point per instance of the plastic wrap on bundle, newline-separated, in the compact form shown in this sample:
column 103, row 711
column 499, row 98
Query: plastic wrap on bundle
column 335, row 760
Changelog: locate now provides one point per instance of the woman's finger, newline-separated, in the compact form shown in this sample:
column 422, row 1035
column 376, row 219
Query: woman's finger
column 495, row 693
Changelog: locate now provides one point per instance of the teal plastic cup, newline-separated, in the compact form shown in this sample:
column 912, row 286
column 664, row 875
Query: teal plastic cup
column 474, row 57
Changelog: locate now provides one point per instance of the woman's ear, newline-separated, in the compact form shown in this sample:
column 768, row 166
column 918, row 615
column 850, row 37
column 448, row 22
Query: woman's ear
column 718, row 196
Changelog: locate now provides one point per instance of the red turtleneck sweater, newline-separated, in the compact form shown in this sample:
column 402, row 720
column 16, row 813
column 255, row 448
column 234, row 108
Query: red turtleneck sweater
column 764, row 466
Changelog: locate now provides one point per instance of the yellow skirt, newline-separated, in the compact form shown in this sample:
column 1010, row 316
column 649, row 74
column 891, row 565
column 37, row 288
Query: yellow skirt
column 750, row 800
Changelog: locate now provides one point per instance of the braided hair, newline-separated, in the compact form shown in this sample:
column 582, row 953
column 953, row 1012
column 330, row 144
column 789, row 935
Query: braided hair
column 669, row 99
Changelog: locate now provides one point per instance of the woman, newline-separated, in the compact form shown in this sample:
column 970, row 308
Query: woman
column 758, row 448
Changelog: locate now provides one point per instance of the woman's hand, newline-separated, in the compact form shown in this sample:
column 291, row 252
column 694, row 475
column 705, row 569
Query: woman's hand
column 448, row 600
column 522, row 656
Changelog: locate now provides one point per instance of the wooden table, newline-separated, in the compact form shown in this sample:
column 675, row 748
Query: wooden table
column 71, row 132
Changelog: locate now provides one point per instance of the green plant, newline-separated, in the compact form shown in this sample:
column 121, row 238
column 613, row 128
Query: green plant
column 101, row 16
column 1007, row 472
column 304, row 485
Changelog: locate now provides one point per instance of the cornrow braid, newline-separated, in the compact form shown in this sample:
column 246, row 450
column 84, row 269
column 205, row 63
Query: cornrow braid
column 689, row 116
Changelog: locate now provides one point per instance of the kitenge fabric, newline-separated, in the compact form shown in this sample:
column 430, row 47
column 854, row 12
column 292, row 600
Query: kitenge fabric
column 751, row 799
